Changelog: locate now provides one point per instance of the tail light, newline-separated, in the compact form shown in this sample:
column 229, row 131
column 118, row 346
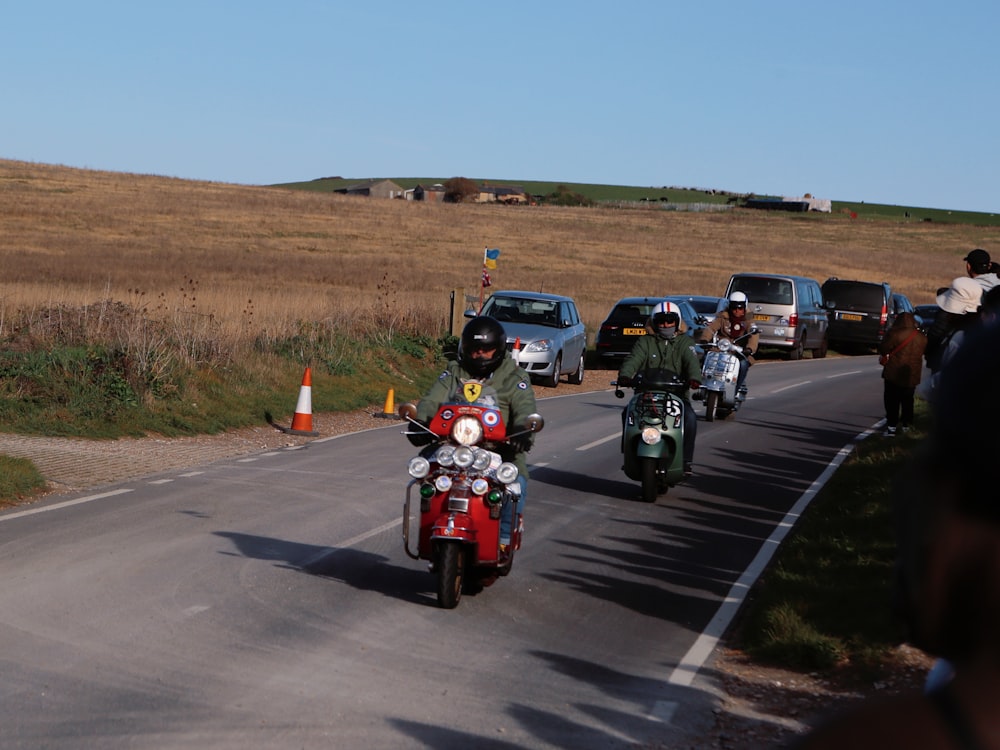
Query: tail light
column 793, row 320
column 884, row 317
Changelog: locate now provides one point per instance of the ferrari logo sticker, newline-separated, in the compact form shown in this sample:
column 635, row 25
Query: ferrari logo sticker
column 472, row 391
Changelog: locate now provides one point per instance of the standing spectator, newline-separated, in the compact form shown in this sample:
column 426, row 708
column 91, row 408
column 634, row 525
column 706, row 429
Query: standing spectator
column 904, row 346
column 979, row 267
column 957, row 303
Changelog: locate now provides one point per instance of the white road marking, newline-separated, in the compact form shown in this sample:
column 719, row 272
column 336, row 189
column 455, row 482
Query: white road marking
column 161, row 481
column 842, row 374
column 685, row 672
column 663, row 711
column 192, row 473
column 601, row 441
column 789, row 387
column 66, row 504
column 351, row 542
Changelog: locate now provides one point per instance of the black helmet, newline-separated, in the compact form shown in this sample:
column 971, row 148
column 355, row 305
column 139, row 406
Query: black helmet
column 482, row 333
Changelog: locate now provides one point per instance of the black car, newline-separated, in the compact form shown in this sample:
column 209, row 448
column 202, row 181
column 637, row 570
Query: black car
column 627, row 321
column 926, row 315
column 860, row 312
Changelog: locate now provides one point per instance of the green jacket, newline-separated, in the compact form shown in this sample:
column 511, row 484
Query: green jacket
column 508, row 388
column 652, row 352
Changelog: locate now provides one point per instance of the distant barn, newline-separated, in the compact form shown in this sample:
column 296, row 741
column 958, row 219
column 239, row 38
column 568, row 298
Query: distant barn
column 373, row 189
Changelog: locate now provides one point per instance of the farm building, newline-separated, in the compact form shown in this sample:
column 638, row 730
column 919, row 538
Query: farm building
column 373, row 189
column 513, row 194
column 430, row 193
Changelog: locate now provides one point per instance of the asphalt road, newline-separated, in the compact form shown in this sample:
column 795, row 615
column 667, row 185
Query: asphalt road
column 267, row 602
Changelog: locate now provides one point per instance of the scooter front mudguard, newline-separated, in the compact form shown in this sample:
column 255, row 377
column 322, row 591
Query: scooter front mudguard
column 665, row 451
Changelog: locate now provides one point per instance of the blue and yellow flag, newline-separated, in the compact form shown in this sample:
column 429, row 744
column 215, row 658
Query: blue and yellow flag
column 490, row 258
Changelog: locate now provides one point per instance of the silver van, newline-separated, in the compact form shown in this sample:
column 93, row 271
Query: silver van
column 788, row 311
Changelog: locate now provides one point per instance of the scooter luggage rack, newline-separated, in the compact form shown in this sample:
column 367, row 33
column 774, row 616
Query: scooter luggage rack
column 716, row 364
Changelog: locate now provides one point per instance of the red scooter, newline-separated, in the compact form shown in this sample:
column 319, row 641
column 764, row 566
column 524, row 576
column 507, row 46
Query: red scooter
column 464, row 487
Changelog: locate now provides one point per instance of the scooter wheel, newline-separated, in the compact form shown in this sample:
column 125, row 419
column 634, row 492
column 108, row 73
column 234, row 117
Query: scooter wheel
column 711, row 403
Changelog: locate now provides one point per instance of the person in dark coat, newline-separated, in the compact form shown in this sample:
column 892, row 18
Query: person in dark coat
column 904, row 345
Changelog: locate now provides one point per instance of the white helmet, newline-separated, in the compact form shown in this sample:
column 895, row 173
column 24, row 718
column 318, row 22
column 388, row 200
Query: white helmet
column 665, row 318
column 737, row 299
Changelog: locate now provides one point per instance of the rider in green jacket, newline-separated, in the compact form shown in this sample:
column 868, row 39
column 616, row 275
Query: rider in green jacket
column 496, row 380
column 666, row 348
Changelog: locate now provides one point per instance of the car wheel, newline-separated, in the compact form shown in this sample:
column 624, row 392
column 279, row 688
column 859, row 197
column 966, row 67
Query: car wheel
column 553, row 380
column 796, row 351
column 823, row 347
column 576, row 378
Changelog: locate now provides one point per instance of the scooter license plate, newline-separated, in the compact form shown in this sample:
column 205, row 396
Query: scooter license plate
column 634, row 331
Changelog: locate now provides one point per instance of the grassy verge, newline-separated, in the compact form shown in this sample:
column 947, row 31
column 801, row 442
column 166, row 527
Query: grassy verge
column 824, row 600
column 19, row 479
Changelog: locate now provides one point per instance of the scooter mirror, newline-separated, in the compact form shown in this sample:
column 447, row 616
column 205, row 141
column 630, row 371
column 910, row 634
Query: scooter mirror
column 408, row 411
column 534, row 423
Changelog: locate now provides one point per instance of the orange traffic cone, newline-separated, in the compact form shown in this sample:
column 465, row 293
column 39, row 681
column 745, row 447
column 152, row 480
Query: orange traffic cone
column 389, row 410
column 302, row 423
column 516, row 351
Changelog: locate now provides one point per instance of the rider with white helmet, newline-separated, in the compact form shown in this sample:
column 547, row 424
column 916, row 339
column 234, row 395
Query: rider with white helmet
column 732, row 324
column 666, row 348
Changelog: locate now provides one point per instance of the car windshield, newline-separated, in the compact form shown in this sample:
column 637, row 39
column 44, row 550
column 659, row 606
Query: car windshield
column 705, row 306
column 763, row 290
column 854, row 296
column 519, row 310
column 631, row 313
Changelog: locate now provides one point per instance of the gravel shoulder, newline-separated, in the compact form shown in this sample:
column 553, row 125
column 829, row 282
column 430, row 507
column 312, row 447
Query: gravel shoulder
column 759, row 705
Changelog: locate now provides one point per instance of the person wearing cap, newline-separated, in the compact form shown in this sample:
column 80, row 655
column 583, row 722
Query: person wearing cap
column 946, row 587
column 979, row 267
column 959, row 304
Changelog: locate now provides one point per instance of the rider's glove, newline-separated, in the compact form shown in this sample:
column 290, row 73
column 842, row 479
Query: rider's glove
column 521, row 443
column 748, row 352
column 419, row 437
column 624, row 380
column 695, row 384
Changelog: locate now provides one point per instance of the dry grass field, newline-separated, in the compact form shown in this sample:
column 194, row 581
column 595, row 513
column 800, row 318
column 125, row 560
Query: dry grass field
column 257, row 258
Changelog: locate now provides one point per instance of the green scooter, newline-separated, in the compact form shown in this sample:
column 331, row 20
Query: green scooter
column 653, row 430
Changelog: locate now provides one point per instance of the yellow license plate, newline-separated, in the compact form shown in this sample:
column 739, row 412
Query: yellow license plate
column 849, row 316
column 634, row 331
column 758, row 316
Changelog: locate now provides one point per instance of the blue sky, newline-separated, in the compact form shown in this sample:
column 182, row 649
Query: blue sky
column 884, row 102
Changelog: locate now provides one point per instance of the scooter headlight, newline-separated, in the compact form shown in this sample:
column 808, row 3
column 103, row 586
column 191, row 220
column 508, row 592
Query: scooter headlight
column 725, row 345
column 650, row 435
column 419, row 467
column 446, row 455
column 467, row 430
column 507, row 472
column 464, row 457
column 442, row 483
column 482, row 460
column 480, row 486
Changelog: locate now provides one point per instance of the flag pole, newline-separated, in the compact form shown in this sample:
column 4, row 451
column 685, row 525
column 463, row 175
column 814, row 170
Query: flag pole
column 482, row 281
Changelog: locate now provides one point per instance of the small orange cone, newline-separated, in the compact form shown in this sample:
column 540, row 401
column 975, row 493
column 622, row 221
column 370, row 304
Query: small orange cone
column 389, row 410
column 516, row 351
column 302, row 423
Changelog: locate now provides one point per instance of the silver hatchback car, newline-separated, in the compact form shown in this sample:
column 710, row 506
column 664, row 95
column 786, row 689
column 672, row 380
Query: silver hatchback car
column 551, row 338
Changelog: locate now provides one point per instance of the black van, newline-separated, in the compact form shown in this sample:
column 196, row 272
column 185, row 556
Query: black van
column 860, row 311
